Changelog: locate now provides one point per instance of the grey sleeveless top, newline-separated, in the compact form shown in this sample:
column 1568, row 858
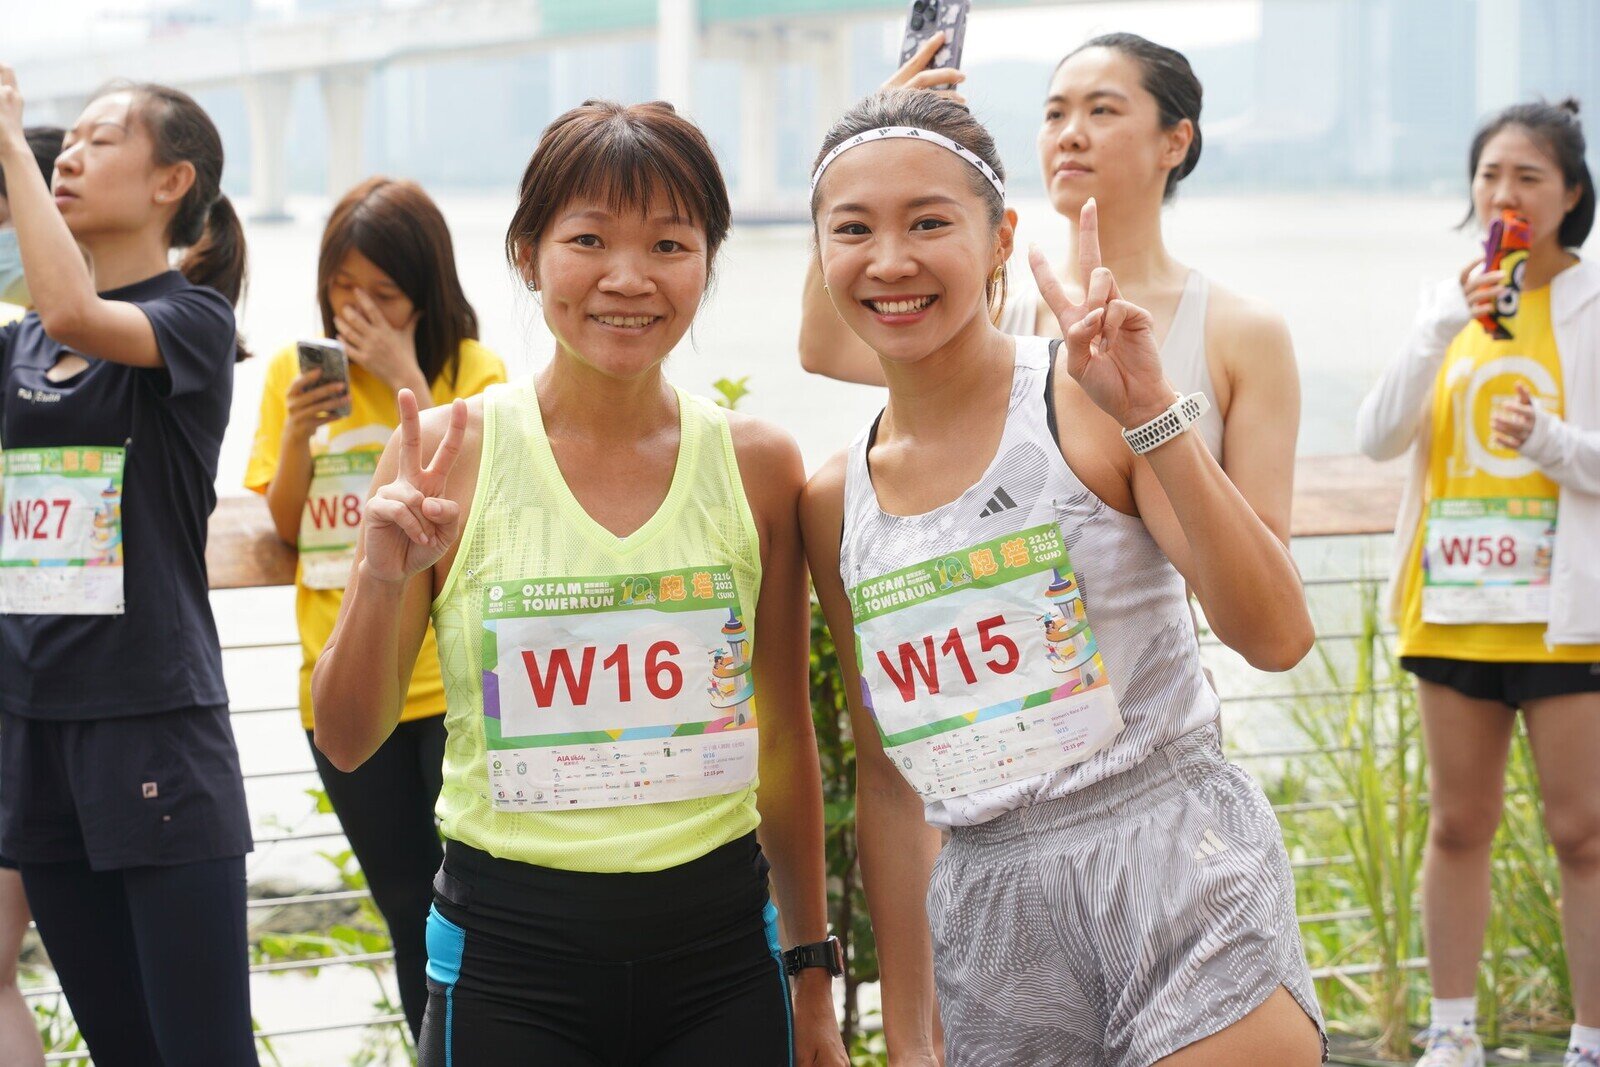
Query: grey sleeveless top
column 1133, row 595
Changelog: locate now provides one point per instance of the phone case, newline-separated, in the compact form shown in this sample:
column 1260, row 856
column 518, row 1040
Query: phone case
column 927, row 17
column 326, row 357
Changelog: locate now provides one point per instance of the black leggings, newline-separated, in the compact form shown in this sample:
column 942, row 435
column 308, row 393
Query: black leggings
column 386, row 808
column 674, row 968
column 154, row 960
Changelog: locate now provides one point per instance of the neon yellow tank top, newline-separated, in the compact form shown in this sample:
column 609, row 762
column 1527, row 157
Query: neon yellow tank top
column 601, row 712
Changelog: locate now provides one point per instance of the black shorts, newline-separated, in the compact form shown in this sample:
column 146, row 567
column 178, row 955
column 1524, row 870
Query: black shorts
column 673, row 968
column 142, row 791
column 1508, row 683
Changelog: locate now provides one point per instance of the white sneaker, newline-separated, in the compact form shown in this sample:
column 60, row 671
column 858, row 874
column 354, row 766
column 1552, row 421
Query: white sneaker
column 1450, row 1046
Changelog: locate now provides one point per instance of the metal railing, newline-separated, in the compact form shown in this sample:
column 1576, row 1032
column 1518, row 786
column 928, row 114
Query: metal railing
column 278, row 902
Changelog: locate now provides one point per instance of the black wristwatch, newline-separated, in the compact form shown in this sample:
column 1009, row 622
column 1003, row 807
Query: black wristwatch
column 828, row 954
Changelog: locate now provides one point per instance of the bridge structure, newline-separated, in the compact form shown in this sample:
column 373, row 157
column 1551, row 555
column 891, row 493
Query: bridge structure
column 342, row 51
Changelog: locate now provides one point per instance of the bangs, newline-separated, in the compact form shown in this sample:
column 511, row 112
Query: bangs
column 627, row 159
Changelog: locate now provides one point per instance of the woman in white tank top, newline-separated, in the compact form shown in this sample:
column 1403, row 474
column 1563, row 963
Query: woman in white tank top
column 1122, row 126
column 1004, row 574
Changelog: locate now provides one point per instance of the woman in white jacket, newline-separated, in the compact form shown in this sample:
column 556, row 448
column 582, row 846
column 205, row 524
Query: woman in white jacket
column 1496, row 586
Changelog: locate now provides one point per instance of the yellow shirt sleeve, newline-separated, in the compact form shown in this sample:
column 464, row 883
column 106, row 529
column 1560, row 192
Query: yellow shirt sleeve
column 477, row 369
column 265, row 449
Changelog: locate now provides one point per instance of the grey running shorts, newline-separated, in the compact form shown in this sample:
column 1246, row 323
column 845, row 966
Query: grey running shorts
column 1119, row 924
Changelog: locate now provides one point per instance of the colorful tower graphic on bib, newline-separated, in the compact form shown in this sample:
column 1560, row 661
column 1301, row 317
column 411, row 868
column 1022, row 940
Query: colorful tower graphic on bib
column 106, row 534
column 1069, row 643
column 731, row 685
column 951, row 571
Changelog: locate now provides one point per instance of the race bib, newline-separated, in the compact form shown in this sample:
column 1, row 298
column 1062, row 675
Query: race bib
column 1487, row 560
column 980, row 667
column 332, row 517
column 61, row 536
column 612, row 690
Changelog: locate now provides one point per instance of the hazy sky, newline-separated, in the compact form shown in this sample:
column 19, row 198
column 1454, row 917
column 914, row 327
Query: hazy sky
column 1032, row 34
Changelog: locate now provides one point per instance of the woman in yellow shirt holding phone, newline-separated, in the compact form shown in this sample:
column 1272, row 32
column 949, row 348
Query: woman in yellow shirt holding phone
column 388, row 290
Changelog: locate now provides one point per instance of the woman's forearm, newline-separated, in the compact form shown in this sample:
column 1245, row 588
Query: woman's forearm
column 290, row 485
column 358, row 685
column 790, row 800
column 898, row 849
column 59, row 282
column 1242, row 573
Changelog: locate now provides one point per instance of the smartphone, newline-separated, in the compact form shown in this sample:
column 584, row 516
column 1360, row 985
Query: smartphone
column 328, row 357
column 928, row 17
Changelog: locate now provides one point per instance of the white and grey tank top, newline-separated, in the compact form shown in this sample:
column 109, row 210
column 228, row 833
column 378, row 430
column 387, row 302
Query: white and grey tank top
column 1183, row 352
column 1133, row 595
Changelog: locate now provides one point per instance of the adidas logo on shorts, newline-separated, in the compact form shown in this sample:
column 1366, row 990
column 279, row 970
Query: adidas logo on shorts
column 1211, row 843
column 1001, row 501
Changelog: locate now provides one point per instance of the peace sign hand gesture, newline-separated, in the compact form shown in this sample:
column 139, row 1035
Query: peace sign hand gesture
column 1111, row 347
column 409, row 525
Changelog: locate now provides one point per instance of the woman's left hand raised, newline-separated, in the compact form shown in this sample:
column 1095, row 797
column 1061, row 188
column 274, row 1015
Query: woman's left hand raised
column 1111, row 346
column 10, row 107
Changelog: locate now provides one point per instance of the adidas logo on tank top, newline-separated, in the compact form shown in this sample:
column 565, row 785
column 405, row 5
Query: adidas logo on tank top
column 1000, row 501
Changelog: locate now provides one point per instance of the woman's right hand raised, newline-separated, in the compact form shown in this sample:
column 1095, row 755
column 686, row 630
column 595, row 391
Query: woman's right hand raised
column 409, row 525
column 1481, row 287
column 915, row 75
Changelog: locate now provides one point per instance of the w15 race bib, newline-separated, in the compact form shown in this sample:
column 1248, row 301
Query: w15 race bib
column 980, row 667
column 1487, row 560
column 612, row 690
column 61, row 535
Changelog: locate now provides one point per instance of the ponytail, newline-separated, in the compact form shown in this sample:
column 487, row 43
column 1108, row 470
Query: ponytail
column 217, row 259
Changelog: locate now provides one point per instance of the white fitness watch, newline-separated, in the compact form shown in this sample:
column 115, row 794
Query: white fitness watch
column 1184, row 413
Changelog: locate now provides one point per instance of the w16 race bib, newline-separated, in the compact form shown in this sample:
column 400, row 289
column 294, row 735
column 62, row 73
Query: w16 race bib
column 332, row 517
column 1487, row 560
column 612, row 690
column 61, row 534
column 980, row 667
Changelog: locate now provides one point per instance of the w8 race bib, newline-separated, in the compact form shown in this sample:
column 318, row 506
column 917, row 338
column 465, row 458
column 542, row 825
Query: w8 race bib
column 980, row 667
column 331, row 518
column 1487, row 560
column 612, row 690
column 61, row 535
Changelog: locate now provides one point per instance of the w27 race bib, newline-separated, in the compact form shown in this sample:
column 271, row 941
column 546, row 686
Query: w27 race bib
column 1487, row 560
column 61, row 531
column 611, row 690
column 980, row 667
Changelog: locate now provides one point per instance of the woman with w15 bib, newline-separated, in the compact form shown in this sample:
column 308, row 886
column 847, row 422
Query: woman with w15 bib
column 1002, row 557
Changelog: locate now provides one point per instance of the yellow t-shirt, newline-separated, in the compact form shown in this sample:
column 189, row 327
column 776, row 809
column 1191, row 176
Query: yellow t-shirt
column 1488, row 513
column 373, row 416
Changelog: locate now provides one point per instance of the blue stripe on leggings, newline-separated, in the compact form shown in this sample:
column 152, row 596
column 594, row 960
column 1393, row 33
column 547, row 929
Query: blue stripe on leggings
column 447, row 943
column 769, row 915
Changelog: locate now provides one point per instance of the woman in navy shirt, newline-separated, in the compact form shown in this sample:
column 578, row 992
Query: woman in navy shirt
column 120, row 794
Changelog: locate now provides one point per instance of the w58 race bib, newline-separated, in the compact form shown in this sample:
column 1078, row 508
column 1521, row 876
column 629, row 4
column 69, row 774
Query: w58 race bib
column 611, row 690
column 980, row 667
column 1487, row 560
column 61, row 531
column 331, row 519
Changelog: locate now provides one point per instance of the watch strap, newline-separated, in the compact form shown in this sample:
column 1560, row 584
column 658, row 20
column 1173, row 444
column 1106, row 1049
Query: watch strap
column 828, row 955
column 1184, row 413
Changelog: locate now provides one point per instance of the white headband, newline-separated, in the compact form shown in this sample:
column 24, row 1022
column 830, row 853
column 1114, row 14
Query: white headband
column 886, row 132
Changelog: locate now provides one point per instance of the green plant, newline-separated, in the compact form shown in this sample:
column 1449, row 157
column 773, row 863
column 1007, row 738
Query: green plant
column 1369, row 746
column 731, row 390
